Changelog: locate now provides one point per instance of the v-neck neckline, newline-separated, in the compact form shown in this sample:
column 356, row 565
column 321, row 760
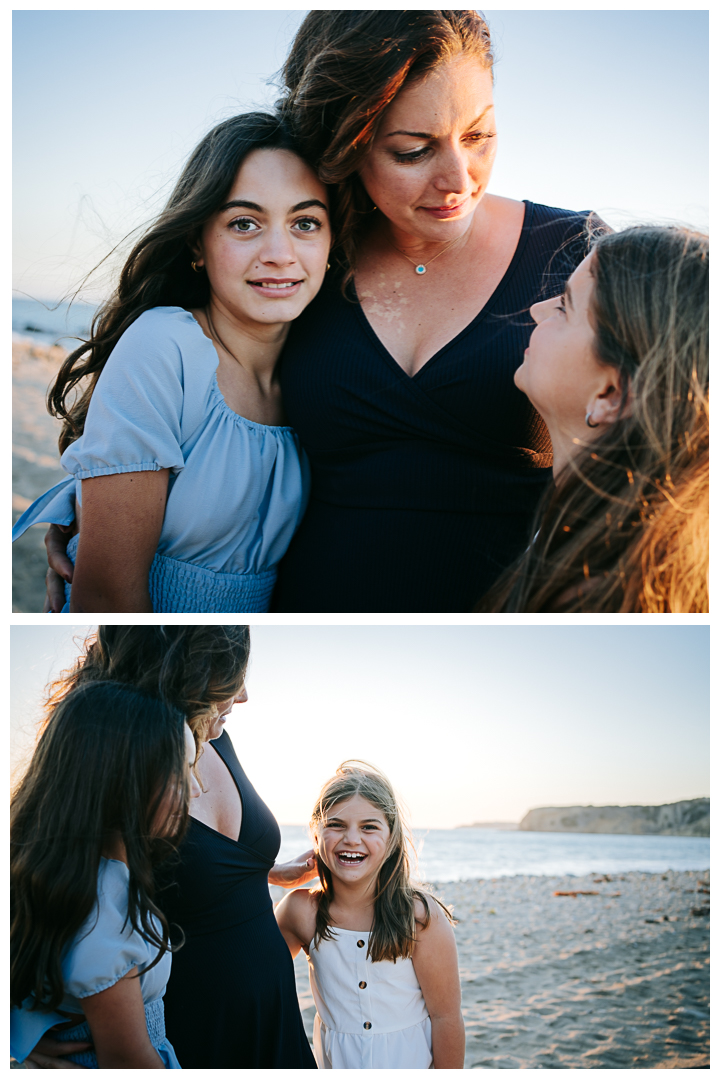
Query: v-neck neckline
column 235, row 781
column 484, row 310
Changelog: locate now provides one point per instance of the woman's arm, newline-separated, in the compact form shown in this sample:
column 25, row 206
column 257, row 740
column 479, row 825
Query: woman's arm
column 122, row 516
column 49, row 1053
column 295, row 916
column 294, row 873
column 116, row 1017
column 436, row 966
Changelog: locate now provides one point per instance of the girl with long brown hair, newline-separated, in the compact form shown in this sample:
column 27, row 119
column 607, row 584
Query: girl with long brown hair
column 104, row 799
column 186, row 480
column 381, row 951
column 618, row 369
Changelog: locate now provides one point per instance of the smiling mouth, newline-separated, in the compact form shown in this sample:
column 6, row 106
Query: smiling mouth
column 350, row 858
column 279, row 285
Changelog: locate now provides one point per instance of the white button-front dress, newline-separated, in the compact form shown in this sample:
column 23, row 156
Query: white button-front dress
column 369, row 1015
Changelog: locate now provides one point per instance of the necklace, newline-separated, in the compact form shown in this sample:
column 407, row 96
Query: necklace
column 421, row 268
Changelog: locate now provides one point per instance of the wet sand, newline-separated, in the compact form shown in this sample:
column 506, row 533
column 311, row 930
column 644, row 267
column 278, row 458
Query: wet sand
column 35, row 465
column 617, row 980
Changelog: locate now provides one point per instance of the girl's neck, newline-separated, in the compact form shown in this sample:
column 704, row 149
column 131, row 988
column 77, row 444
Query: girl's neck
column 255, row 347
column 114, row 848
column 353, row 907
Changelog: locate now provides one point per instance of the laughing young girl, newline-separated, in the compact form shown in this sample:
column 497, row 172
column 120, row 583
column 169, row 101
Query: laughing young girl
column 104, row 798
column 381, row 951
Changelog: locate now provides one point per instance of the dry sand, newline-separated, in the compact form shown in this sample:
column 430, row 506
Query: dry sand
column 36, row 463
column 619, row 980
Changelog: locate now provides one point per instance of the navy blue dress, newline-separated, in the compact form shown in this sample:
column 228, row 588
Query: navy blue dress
column 231, row 1001
column 423, row 487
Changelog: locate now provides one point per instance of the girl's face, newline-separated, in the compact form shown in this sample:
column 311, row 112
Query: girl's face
column 431, row 160
column 223, row 710
column 560, row 372
column 353, row 841
column 265, row 251
column 170, row 808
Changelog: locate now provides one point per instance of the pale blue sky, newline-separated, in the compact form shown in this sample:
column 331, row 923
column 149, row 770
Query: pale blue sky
column 470, row 723
column 596, row 109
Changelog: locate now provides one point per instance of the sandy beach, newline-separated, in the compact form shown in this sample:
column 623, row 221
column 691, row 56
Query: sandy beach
column 615, row 980
column 35, row 465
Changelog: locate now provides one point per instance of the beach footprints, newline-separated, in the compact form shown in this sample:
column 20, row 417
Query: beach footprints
column 583, row 981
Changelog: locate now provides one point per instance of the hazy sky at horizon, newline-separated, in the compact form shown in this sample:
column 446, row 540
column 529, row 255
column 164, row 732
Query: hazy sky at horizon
column 470, row 723
column 596, row 109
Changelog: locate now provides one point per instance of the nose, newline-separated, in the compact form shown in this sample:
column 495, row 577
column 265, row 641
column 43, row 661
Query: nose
column 241, row 697
column 278, row 248
column 453, row 174
column 541, row 310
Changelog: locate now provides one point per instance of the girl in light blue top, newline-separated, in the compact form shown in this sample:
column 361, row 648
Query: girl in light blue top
column 185, row 482
column 104, row 798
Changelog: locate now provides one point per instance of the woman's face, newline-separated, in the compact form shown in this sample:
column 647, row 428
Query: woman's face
column 433, row 153
column 216, row 725
column 170, row 809
column 265, row 251
column 560, row 372
column 353, row 840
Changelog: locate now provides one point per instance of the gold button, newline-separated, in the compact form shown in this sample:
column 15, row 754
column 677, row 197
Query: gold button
column 360, row 943
column 367, row 1025
column 362, row 985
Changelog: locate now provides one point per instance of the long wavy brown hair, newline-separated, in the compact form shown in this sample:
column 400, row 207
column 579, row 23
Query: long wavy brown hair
column 625, row 528
column 343, row 71
column 106, row 757
column 158, row 270
column 195, row 668
column 394, row 924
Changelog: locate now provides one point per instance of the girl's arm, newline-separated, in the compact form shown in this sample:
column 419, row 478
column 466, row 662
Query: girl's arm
column 295, row 916
column 436, row 966
column 116, row 1017
column 121, row 521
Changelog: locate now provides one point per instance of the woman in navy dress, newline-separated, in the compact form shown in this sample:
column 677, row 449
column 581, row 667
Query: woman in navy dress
column 231, row 1000
column 427, row 464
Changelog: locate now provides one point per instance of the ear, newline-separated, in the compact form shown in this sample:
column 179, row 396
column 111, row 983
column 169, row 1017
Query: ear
column 605, row 405
column 195, row 246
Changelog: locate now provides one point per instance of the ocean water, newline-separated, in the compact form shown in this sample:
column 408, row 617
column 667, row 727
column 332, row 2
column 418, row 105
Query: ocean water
column 466, row 854
column 51, row 324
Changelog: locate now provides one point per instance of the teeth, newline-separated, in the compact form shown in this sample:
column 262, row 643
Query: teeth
column 350, row 855
column 276, row 285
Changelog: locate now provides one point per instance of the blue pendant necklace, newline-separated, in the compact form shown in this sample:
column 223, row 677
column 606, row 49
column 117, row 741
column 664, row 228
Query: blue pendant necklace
column 421, row 268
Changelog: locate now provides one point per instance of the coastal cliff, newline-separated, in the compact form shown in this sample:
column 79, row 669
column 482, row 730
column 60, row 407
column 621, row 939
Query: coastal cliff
column 690, row 817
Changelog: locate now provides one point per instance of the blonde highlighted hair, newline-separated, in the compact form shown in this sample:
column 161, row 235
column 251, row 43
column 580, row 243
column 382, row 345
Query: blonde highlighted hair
column 625, row 527
column 394, row 923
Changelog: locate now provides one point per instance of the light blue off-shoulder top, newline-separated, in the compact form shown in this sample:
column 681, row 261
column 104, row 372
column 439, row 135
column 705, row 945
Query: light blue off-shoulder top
column 237, row 490
column 104, row 950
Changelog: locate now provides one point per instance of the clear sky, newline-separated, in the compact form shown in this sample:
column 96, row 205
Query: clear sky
column 596, row 109
column 470, row 723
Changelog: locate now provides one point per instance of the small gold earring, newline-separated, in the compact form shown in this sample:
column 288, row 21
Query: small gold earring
column 328, row 266
column 196, row 268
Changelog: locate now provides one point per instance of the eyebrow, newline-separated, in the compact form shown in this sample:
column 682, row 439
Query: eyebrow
column 256, row 206
column 363, row 821
column 426, row 135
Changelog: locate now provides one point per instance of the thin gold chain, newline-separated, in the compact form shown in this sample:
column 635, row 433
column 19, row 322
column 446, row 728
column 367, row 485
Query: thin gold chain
column 421, row 267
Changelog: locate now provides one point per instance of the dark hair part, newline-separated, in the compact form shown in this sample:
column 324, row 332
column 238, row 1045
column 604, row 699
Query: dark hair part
column 158, row 271
column 394, row 920
column 344, row 70
column 625, row 527
column 193, row 667
column 105, row 760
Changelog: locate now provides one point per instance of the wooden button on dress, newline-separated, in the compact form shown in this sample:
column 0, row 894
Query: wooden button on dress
column 360, row 943
column 362, row 985
column 367, row 1025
